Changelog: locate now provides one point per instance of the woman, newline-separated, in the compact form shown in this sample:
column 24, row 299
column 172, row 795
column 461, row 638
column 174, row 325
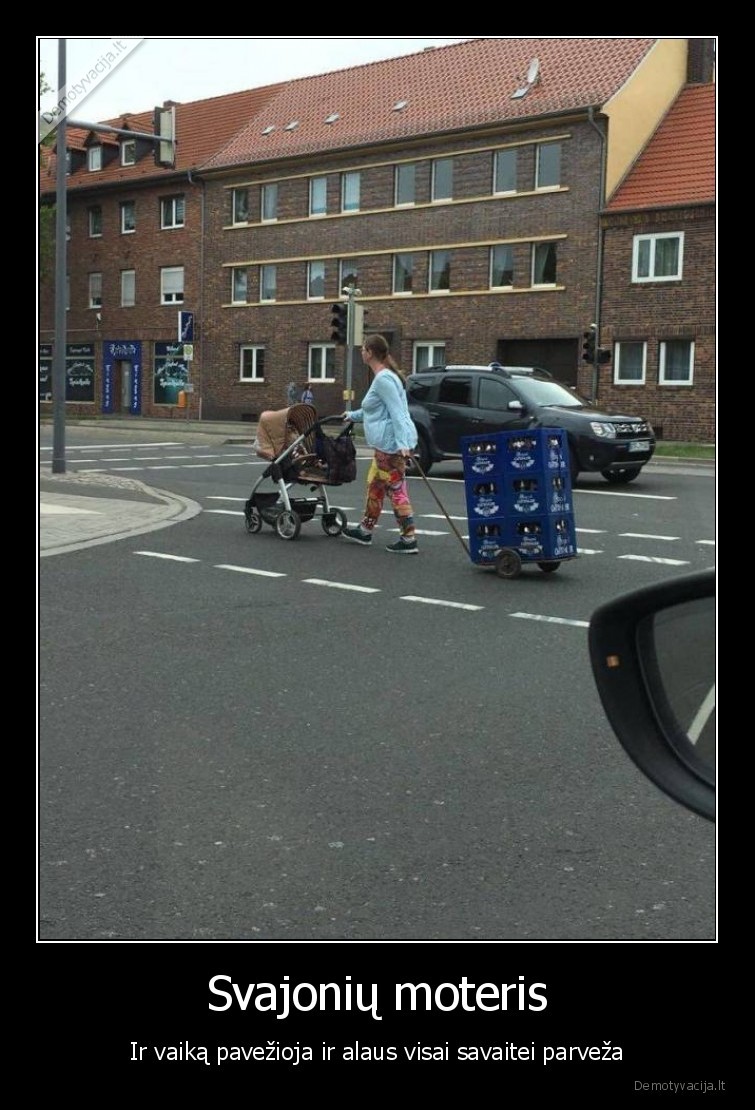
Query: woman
column 388, row 428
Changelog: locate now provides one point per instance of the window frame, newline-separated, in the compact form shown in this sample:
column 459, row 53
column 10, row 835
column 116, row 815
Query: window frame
column 433, row 273
column 536, row 248
column 348, row 274
column 430, row 345
column 269, row 200
column 405, row 179
column 316, row 263
column 241, row 191
column 354, row 177
column 127, row 205
column 662, row 379
column 509, row 249
column 94, row 283
column 175, row 297
column 540, row 147
column 236, row 272
column 320, row 181
column 318, row 373
column 128, row 144
column 618, row 350
column 258, row 356
column 172, row 201
column 124, row 302
column 507, row 152
column 266, row 269
column 94, row 155
column 444, row 198
column 409, row 271
column 94, row 208
column 652, row 238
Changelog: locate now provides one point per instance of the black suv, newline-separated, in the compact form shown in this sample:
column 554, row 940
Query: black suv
column 448, row 402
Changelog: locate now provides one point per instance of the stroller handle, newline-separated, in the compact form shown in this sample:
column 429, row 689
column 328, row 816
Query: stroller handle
column 331, row 420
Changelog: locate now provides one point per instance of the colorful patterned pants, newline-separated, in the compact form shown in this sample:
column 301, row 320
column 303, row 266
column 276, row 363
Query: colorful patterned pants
column 387, row 476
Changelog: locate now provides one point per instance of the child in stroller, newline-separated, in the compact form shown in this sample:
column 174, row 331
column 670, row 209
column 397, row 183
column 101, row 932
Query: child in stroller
column 299, row 452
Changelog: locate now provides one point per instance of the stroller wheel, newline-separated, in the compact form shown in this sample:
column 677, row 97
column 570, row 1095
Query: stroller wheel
column 288, row 525
column 334, row 523
column 252, row 518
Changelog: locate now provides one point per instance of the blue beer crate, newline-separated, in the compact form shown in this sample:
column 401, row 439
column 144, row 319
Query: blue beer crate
column 543, row 537
column 535, row 450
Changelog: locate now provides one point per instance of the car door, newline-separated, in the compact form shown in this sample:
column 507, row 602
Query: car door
column 453, row 411
column 492, row 413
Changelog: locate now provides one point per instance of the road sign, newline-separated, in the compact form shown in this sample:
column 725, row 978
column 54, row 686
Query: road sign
column 188, row 351
column 185, row 327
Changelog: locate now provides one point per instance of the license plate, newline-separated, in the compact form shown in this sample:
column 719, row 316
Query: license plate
column 639, row 445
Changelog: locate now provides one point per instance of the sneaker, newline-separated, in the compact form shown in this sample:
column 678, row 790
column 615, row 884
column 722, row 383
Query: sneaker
column 358, row 534
column 403, row 547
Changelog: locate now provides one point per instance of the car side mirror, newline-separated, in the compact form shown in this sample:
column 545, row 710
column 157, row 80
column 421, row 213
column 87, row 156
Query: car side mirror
column 653, row 655
column 515, row 406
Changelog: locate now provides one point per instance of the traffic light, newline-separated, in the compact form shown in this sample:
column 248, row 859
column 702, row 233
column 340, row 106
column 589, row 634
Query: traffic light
column 588, row 345
column 339, row 323
column 604, row 355
column 164, row 125
column 360, row 316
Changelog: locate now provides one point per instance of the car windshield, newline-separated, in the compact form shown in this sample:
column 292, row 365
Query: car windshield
column 544, row 393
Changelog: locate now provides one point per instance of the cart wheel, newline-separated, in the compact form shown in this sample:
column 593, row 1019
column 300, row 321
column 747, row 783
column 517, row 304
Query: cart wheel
column 549, row 568
column 334, row 523
column 288, row 525
column 508, row 564
column 253, row 519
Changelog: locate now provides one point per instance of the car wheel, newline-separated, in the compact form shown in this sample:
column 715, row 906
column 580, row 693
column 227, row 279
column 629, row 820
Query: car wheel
column 621, row 477
column 334, row 523
column 548, row 568
column 288, row 525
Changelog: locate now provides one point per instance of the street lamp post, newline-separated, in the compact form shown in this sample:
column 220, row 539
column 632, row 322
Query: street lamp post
column 352, row 293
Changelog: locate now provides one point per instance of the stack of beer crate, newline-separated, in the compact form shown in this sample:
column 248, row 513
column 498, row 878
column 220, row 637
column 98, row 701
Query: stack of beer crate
column 519, row 495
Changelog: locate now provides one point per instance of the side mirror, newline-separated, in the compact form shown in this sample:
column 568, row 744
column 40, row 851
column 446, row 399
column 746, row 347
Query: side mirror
column 515, row 406
column 653, row 655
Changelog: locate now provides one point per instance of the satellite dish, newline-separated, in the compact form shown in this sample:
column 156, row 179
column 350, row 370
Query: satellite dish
column 533, row 72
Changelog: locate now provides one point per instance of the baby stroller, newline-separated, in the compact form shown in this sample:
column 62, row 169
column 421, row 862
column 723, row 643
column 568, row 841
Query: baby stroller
column 300, row 453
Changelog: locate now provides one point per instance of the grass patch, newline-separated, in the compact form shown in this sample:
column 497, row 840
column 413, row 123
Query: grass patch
column 685, row 450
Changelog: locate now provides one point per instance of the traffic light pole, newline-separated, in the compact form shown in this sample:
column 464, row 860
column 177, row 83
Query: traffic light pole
column 350, row 350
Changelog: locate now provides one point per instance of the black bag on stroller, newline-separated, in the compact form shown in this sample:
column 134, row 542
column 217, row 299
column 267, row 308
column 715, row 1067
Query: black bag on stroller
column 339, row 455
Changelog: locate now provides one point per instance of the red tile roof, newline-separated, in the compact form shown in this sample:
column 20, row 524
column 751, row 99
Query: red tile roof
column 678, row 164
column 202, row 126
column 446, row 89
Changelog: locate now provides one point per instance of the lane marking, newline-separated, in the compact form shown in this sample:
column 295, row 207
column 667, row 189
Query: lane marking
column 550, row 620
column 46, row 509
column 646, row 536
column 249, row 570
column 340, row 585
column 439, row 601
column 656, row 559
column 616, row 493
column 171, row 558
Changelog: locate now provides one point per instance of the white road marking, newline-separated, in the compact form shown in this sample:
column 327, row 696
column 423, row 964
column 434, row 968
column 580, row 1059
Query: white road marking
column 655, row 559
column 702, row 715
column 116, row 446
column 172, row 558
column 589, row 551
column 591, row 531
column 440, row 516
column 47, row 509
column 340, row 585
column 249, row 570
column 438, row 601
column 645, row 536
column 624, row 493
column 709, row 543
column 550, row 620
column 225, row 512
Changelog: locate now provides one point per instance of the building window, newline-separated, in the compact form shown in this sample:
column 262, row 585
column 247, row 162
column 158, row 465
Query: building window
column 240, row 206
column 658, row 257
column 403, row 270
column 629, row 362
column 128, row 217
column 504, row 171
column 676, row 362
column 501, row 267
column 95, row 221
column 268, row 283
column 128, row 288
column 406, row 175
column 252, row 366
column 172, row 285
column 429, row 353
column 442, row 185
column 239, row 282
column 322, row 362
column 95, row 290
column 172, row 212
column 440, row 271
column 548, row 166
column 269, row 209
column 318, row 196
column 350, row 186
column 544, row 259
column 128, row 152
column 94, row 158
column 316, row 281
column 349, row 274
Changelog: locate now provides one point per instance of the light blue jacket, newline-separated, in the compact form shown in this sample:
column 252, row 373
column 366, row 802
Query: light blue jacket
column 385, row 414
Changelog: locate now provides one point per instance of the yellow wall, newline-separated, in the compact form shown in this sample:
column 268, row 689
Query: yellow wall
column 636, row 110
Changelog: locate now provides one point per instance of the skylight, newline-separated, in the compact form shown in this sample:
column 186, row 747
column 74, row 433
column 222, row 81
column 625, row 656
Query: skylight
column 268, row 129
column 292, row 125
column 332, row 117
column 400, row 105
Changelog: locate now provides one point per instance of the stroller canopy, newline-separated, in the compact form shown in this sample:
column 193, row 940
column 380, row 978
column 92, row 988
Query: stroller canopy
column 278, row 428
